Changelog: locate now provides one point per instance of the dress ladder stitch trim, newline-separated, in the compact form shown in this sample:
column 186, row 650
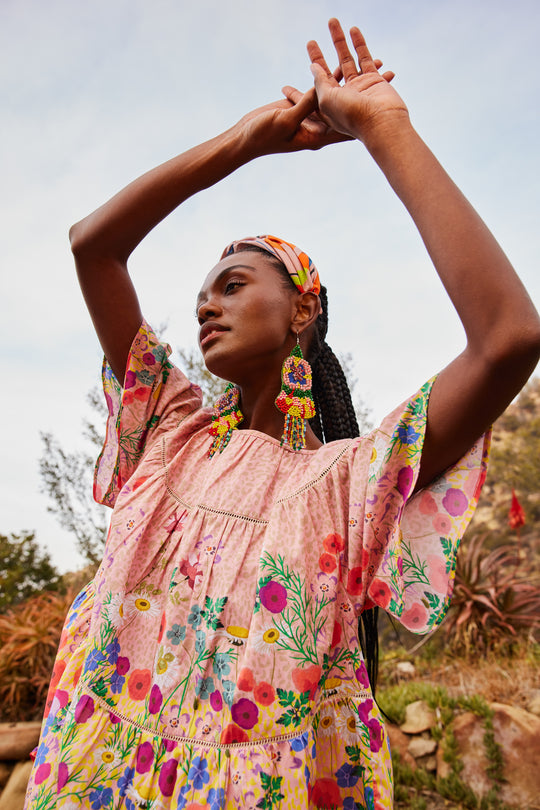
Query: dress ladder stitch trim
column 190, row 507
column 316, row 480
column 364, row 695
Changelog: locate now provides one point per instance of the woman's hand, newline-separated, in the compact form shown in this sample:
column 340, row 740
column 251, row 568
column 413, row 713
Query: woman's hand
column 366, row 100
column 288, row 125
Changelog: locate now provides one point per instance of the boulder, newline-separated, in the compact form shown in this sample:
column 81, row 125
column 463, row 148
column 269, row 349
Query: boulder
column 418, row 717
column 533, row 705
column 5, row 770
column 18, row 739
column 399, row 743
column 405, row 670
column 518, row 734
column 421, row 747
column 12, row 797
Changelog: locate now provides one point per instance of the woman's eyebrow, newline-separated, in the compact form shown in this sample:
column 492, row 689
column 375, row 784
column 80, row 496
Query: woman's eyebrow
column 202, row 295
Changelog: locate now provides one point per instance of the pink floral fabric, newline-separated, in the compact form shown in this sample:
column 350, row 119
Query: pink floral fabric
column 214, row 660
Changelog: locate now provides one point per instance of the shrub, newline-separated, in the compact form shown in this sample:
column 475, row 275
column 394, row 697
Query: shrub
column 496, row 598
column 29, row 637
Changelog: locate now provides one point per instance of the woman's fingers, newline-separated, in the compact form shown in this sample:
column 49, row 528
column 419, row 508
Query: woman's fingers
column 346, row 60
column 365, row 61
column 317, row 58
column 388, row 75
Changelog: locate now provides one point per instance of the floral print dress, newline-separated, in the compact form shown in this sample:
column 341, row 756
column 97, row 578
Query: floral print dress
column 214, row 661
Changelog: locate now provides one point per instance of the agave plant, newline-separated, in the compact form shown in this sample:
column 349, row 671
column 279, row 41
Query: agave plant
column 495, row 597
column 29, row 636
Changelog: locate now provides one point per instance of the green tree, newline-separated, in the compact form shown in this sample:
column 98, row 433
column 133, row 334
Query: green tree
column 25, row 569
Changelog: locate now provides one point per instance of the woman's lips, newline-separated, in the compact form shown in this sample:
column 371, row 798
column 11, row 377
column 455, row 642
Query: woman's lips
column 209, row 331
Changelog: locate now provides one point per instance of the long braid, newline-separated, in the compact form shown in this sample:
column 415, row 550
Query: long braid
column 335, row 419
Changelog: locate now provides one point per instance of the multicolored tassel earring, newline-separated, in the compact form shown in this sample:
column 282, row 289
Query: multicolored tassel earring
column 225, row 419
column 295, row 399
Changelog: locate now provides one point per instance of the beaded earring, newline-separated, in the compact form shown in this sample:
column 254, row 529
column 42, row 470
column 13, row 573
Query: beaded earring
column 295, row 399
column 225, row 419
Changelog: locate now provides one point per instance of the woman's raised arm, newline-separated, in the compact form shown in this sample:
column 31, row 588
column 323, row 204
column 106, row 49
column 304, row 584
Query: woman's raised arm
column 103, row 241
column 501, row 324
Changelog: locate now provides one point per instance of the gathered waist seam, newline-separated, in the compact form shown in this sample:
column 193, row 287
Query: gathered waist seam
column 363, row 695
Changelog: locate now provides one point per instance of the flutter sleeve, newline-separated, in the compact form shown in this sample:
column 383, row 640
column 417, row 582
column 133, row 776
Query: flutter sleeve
column 402, row 548
column 156, row 397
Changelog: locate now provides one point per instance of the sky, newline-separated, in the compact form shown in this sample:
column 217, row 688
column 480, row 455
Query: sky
column 94, row 94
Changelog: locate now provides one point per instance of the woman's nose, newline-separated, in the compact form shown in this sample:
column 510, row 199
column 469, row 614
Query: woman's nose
column 208, row 309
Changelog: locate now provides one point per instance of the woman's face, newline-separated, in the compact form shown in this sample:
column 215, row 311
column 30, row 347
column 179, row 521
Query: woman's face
column 245, row 311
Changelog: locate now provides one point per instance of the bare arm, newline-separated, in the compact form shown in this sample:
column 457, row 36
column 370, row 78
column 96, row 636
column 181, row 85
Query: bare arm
column 501, row 324
column 103, row 241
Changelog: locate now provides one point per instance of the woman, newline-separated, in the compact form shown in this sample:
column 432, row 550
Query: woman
column 214, row 661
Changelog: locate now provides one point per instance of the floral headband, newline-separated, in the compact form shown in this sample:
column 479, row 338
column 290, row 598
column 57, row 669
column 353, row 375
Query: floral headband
column 302, row 271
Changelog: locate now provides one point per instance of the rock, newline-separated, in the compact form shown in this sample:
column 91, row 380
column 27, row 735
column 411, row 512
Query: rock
column 399, row 742
column 405, row 670
column 518, row 734
column 5, row 771
column 18, row 739
column 444, row 768
column 12, row 797
column 420, row 747
column 418, row 717
column 430, row 764
column 534, row 704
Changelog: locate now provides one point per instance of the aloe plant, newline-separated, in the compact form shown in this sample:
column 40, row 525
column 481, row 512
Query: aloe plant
column 496, row 597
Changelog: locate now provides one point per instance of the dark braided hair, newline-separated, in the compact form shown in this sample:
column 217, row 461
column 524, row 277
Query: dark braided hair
column 335, row 418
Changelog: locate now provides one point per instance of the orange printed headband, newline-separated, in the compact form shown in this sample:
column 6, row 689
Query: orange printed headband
column 301, row 269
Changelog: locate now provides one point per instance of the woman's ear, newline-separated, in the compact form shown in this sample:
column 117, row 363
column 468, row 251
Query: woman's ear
column 306, row 311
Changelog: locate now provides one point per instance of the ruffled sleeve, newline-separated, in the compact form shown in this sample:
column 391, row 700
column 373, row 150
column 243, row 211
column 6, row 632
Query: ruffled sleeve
column 156, row 397
column 402, row 549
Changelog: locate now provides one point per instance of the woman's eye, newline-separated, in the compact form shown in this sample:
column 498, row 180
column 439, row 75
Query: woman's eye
column 231, row 285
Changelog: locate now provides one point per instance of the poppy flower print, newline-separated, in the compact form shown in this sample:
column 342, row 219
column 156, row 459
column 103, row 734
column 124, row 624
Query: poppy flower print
column 214, row 659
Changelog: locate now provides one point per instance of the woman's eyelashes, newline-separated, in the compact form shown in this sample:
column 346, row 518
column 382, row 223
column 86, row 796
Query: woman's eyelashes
column 231, row 285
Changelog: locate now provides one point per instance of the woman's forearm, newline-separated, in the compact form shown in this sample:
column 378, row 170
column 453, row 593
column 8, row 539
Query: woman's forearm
column 492, row 304
column 115, row 229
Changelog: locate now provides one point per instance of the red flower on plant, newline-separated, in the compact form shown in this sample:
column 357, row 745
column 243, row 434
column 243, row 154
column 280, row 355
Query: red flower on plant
column 327, row 562
column 334, row 543
column 139, row 683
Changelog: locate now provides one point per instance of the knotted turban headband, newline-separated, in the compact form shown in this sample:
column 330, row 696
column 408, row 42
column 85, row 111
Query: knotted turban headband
column 302, row 271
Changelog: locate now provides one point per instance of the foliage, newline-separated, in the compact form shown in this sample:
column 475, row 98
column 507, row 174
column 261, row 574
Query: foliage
column 29, row 637
column 409, row 784
column 515, row 462
column 24, row 569
column 496, row 597
column 67, row 479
